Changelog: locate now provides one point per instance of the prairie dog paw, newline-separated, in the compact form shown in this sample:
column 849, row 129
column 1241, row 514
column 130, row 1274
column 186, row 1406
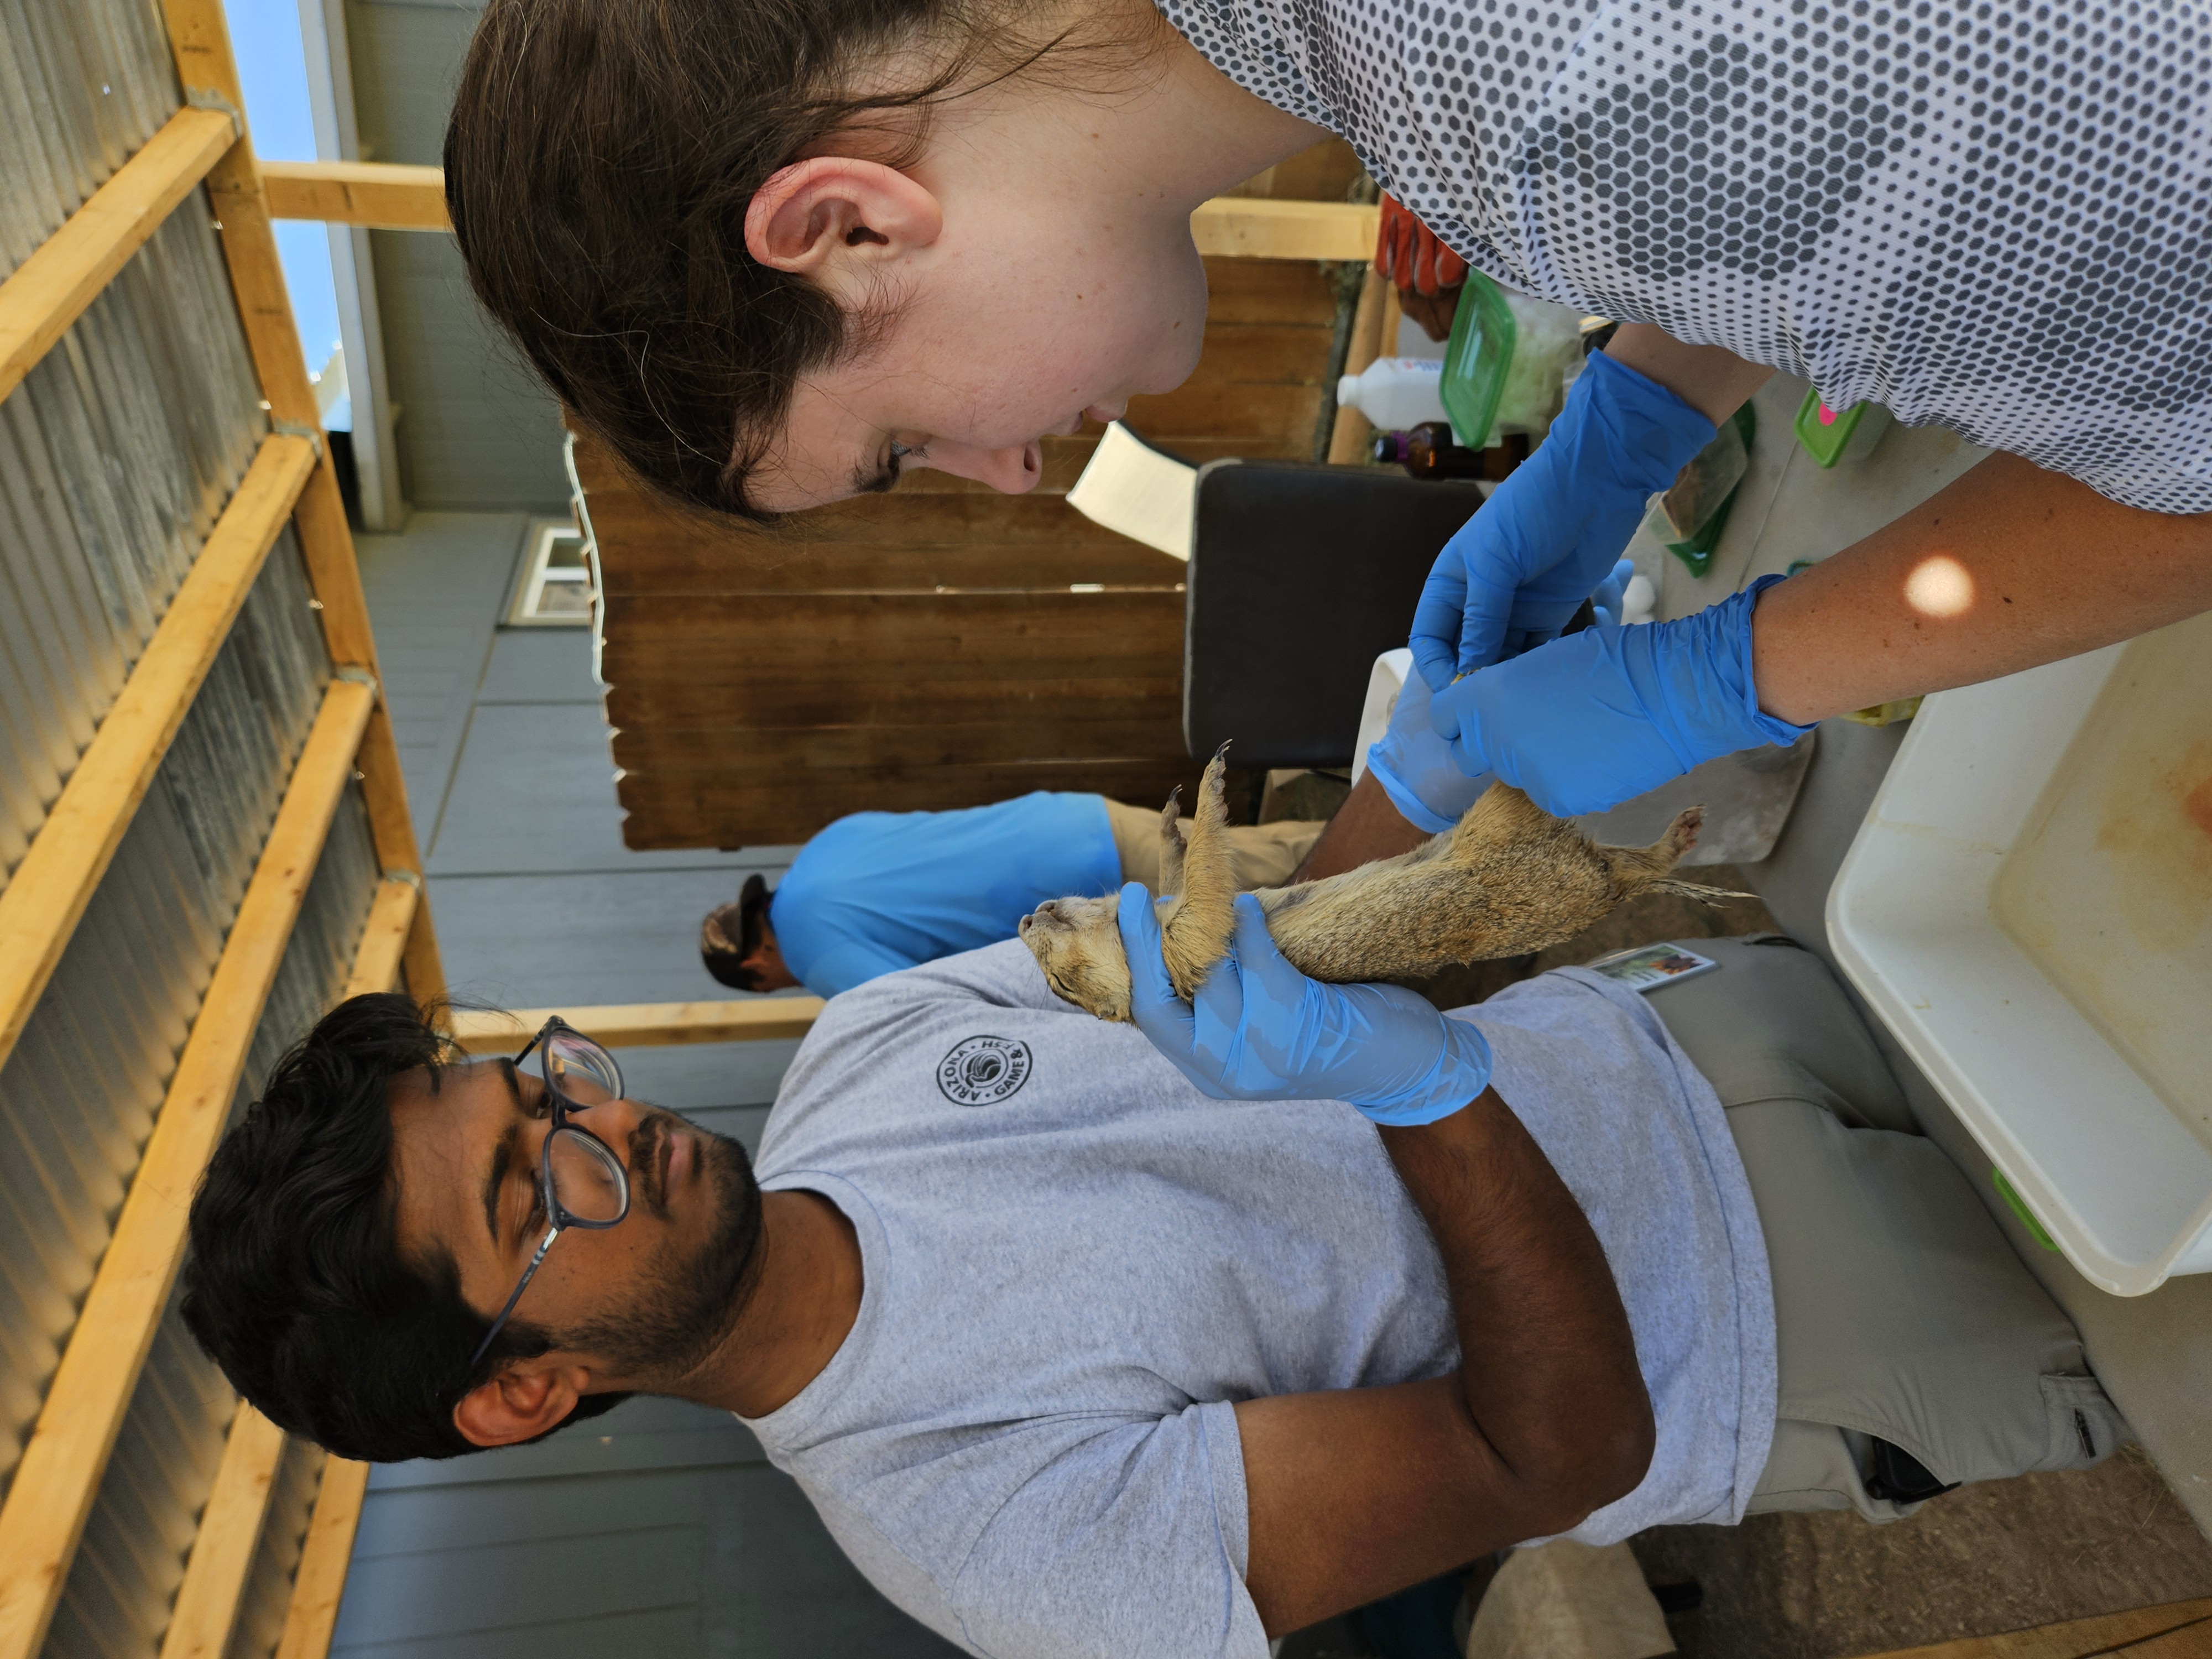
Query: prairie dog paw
column 1682, row 835
column 1197, row 935
column 1171, row 845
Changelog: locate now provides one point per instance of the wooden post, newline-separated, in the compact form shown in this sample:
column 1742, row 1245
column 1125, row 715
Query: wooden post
column 58, row 1475
column 1393, row 314
column 384, row 940
column 390, row 198
column 377, row 194
column 318, row 1586
column 42, row 906
column 424, row 969
column 65, row 273
column 200, row 37
column 201, row 40
column 1347, row 442
column 646, row 1024
column 230, row 1531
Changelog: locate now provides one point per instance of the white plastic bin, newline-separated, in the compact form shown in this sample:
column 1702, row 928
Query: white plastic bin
column 2028, row 907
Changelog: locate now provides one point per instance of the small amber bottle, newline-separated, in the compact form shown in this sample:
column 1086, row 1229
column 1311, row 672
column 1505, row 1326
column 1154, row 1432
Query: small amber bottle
column 1428, row 452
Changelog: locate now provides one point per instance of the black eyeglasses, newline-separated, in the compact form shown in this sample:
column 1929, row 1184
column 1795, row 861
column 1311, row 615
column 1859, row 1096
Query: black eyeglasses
column 579, row 1179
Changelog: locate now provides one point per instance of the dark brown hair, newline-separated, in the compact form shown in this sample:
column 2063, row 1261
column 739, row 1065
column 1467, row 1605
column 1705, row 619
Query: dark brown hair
column 599, row 166
column 739, row 923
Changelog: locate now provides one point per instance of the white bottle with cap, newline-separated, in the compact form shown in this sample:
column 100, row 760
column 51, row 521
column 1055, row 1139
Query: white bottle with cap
column 1395, row 393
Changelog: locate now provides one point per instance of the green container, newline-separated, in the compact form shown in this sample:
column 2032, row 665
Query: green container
column 1476, row 359
column 1696, row 553
column 1825, row 433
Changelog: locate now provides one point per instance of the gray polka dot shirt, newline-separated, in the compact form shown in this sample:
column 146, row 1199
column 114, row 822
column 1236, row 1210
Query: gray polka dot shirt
column 1995, row 217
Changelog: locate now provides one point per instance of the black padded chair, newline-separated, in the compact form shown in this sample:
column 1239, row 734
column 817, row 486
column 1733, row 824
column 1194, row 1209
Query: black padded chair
column 1300, row 575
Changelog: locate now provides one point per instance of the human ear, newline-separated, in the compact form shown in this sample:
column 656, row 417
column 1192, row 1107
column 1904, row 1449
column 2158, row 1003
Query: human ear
column 521, row 1403
column 812, row 216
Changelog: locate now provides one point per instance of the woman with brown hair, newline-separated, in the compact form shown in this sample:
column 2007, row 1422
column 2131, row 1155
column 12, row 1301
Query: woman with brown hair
column 774, row 252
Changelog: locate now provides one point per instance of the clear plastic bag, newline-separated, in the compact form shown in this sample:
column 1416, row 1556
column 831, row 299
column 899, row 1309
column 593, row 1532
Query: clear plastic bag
column 1700, row 488
column 1548, row 340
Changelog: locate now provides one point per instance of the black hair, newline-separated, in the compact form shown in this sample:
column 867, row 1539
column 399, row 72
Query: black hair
column 743, row 922
column 296, row 1286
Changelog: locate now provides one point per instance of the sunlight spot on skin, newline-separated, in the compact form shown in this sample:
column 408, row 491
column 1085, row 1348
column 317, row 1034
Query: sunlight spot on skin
column 1940, row 586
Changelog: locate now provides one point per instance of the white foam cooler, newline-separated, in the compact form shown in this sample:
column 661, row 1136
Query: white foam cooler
column 2028, row 907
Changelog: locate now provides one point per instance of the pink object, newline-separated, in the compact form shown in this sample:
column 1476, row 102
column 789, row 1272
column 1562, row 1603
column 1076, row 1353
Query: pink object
column 1827, row 415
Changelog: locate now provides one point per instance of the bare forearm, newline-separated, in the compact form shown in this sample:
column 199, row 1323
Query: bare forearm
column 1355, row 1492
column 2007, row 567
column 1712, row 379
column 1547, row 1361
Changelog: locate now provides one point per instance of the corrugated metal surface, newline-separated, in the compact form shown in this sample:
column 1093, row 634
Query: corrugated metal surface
column 117, row 1601
column 83, row 84
column 116, row 454
column 78, row 1096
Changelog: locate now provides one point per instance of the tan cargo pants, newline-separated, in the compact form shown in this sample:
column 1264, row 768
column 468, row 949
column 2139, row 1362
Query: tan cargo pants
column 1901, row 1313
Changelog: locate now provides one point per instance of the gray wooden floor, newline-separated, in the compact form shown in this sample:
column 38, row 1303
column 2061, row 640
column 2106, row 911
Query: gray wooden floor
column 659, row 1529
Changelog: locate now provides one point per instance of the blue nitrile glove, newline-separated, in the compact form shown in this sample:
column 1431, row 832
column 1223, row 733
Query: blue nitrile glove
column 1260, row 1030
column 1417, row 768
column 1515, row 573
column 1610, row 597
column 1586, row 722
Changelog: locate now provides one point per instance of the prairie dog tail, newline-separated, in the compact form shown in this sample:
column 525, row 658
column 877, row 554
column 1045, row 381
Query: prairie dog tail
column 1651, row 869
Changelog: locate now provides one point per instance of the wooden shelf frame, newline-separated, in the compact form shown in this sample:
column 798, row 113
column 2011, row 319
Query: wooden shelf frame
column 206, row 1608
column 42, row 905
column 318, row 1582
column 207, row 1601
column 201, row 40
column 60, row 1473
column 380, row 196
column 645, row 1024
column 374, row 195
column 50, row 289
column 319, row 1586
column 57, row 1479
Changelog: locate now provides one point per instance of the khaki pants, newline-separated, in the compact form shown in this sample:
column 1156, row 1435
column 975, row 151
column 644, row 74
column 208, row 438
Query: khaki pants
column 1262, row 855
column 1901, row 1313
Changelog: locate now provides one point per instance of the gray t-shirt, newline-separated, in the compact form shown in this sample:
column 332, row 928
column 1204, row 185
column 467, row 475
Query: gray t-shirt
column 1076, row 1263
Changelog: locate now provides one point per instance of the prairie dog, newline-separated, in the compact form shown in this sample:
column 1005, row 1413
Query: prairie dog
column 1508, row 879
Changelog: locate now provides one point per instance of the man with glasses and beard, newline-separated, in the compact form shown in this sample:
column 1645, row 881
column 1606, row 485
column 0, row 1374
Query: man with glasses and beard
column 1088, row 1338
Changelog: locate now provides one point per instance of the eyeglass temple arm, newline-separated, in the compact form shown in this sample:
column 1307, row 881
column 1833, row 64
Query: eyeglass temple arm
column 522, row 1285
column 556, row 1024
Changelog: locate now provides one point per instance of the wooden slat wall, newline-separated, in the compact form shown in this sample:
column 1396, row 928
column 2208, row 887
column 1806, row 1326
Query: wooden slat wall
column 56, row 1480
column 46, row 897
column 924, row 650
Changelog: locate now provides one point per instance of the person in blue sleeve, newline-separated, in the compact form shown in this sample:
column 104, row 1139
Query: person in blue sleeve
column 878, row 891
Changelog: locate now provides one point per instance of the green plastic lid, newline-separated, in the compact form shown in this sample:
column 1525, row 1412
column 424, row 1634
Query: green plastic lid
column 1824, row 431
column 1477, row 359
